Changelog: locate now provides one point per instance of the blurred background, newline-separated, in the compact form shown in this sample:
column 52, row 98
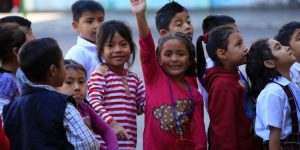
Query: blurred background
column 255, row 19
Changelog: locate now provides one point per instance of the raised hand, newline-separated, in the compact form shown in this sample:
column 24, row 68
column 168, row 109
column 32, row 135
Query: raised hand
column 138, row 6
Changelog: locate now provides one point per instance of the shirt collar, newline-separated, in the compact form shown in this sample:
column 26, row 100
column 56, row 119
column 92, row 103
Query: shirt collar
column 48, row 87
column 296, row 66
column 282, row 80
column 82, row 41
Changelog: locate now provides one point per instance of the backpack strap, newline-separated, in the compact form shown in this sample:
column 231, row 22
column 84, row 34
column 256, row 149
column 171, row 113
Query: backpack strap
column 292, row 101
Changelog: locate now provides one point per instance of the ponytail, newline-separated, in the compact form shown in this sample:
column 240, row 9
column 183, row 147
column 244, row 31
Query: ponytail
column 201, row 62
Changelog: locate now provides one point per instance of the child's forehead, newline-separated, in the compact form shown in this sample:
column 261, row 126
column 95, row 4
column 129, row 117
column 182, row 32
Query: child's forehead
column 89, row 13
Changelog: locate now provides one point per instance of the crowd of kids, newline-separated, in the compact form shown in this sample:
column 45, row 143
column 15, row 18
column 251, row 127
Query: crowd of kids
column 90, row 99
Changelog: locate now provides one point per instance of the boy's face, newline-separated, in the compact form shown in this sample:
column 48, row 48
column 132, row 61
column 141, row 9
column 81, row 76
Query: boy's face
column 88, row 24
column 181, row 22
column 295, row 44
column 74, row 84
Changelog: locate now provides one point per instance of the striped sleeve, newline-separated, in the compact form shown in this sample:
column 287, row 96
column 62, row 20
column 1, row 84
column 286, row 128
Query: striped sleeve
column 140, row 95
column 96, row 92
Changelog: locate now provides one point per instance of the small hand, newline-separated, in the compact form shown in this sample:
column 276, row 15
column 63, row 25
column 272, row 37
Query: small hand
column 138, row 6
column 119, row 130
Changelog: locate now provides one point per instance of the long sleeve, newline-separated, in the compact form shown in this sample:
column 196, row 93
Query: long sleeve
column 102, row 128
column 96, row 86
column 222, row 111
column 140, row 96
column 77, row 132
column 148, row 59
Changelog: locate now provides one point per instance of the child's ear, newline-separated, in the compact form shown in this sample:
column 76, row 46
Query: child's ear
column 269, row 64
column 15, row 51
column 75, row 26
column 163, row 32
column 52, row 70
column 221, row 53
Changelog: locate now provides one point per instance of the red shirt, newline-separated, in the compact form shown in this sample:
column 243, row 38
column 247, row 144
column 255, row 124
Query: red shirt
column 4, row 142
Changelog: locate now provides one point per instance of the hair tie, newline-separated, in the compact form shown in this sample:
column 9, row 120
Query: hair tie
column 204, row 38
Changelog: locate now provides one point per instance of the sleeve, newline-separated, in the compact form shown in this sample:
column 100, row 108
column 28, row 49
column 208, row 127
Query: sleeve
column 140, row 96
column 4, row 142
column 102, row 128
column 199, row 133
column 222, row 112
column 96, row 92
column 271, row 108
column 77, row 132
column 148, row 59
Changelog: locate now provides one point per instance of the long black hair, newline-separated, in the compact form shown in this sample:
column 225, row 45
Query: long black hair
column 259, row 75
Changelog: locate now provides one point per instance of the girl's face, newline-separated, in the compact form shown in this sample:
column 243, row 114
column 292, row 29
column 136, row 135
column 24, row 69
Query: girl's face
column 283, row 54
column 174, row 58
column 74, row 84
column 116, row 52
column 295, row 43
column 236, row 51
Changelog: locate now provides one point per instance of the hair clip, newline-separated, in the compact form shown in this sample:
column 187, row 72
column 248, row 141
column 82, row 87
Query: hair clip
column 204, row 37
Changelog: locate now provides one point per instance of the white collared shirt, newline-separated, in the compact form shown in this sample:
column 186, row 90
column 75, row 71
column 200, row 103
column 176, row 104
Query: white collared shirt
column 273, row 109
column 295, row 73
column 85, row 53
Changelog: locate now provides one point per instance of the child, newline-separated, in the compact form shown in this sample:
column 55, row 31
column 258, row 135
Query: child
column 230, row 128
column 87, row 15
column 11, row 39
column 75, row 85
column 170, row 18
column 289, row 35
column 277, row 111
column 174, row 109
column 211, row 22
column 41, row 118
column 25, row 25
column 116, row 93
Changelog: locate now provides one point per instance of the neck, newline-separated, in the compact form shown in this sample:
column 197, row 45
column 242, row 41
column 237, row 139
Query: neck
column 180, row 81
column 285, row 72
column 10, row 67
column 119, row 71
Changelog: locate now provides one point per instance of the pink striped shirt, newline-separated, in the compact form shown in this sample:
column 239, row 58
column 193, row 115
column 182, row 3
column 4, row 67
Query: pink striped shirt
column 107, row 95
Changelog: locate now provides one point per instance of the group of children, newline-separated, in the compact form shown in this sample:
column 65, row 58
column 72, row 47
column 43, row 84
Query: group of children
column 91, row 99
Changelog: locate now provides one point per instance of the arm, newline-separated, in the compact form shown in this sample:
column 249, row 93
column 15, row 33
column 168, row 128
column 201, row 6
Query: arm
column 96, row 86
column 274, row 138
column 139, row 8
column 102, row 128
column 222, row 111
column 140, row 97
column 77, row 132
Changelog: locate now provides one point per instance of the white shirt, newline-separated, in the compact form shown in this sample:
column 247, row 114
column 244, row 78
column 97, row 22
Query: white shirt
column 273, row 109
column 295, row 73
column 85, row 53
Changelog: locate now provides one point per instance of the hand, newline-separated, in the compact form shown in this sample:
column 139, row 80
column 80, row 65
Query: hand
column 119, row 130
column 138, row 6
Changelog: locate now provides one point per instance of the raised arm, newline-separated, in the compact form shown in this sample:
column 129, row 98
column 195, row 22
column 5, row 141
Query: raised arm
column 139, row 8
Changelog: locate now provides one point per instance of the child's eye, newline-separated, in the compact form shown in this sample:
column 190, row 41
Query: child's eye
column 82, row 82
column 124, row 44
column 68, row 82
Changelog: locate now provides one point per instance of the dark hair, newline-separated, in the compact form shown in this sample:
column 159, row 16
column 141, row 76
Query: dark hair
column 165, row 14
column 71, row 64
column 37, row 56
column 285, row 33
column 217, row 39
column 107, row 32
column 191, row 71
column 21, row 21
column 258, row 74
column 213, row 21
column 81, row 6
column 10, row 37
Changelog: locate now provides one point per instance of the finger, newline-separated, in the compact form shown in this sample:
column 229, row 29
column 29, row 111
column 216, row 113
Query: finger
column 126, row 135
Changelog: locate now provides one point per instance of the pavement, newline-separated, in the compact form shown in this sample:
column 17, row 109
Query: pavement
column 253, row 24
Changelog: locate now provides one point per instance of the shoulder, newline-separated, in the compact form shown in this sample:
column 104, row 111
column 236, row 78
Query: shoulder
column 271, row 93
